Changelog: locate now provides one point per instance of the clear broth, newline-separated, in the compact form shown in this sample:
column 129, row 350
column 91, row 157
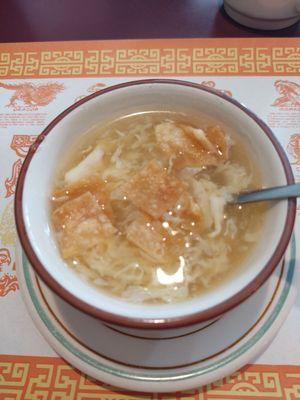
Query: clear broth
column 197, row 261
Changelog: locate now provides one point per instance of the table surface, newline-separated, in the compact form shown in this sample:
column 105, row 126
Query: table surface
column 50, row 20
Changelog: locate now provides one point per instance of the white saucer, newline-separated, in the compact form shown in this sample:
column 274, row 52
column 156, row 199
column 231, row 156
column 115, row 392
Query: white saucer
column 164, row 365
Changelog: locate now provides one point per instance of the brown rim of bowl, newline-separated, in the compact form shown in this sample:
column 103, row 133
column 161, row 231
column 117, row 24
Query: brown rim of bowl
column 156, row 323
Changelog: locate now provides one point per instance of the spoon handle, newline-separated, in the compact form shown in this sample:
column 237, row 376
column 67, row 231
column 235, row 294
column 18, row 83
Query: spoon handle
column 279, row 192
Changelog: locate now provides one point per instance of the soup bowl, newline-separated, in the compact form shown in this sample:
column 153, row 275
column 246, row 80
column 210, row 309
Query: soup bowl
column 32, row 208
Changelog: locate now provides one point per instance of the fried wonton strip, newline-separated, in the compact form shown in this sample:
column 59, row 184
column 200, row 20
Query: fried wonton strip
column 153, row 191
column 190, row 146
column 79, row 224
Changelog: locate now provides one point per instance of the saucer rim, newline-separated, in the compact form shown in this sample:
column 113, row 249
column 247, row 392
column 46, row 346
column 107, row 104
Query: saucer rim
column 154, row 376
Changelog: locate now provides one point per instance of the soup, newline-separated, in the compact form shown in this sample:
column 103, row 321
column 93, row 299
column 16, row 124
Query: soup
column 141, row 206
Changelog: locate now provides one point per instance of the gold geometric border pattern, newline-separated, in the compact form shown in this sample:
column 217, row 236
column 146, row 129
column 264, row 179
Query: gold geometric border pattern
column 162, row 57
column 28, row 377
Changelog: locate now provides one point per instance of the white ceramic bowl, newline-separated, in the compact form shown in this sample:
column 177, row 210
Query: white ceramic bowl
column 36, row 180
column 264, row 14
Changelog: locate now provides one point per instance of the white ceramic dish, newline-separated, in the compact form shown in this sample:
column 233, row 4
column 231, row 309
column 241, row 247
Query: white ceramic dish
column 167, row 365
column 35, row 183
column 264, row 14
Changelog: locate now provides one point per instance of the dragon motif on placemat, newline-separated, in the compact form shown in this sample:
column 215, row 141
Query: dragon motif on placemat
column 212, row 84
column 293, row 147
column 8, row 283
column 29, row 96
column 20, row 144
column 289, row 94
column 92, row 89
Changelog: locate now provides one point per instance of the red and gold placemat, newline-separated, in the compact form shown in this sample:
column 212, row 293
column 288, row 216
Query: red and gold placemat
column 37, row 81
column 27, row 377
column 155, row 57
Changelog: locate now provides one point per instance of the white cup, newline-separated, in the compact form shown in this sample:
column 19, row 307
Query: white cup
column 264, row 14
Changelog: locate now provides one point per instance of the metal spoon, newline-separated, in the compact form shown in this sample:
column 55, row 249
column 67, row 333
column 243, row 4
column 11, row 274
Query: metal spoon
column 274, row 193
